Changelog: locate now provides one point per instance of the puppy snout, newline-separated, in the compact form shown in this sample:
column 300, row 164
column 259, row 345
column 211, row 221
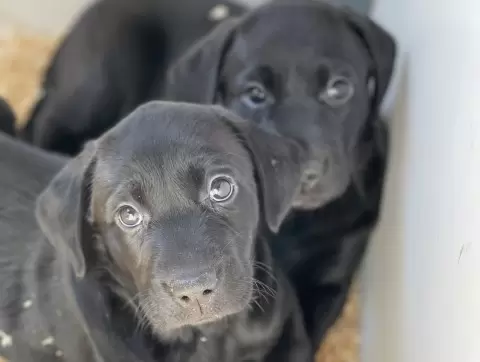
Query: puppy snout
column 197, row 287
column 310, row 179
column 313, row 176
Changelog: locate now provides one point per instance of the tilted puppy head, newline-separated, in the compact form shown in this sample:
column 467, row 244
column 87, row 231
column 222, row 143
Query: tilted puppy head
column 167, row 202
column 307, row 71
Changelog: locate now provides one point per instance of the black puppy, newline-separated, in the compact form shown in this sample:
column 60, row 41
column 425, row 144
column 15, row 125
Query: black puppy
column 7, row 118
column 316, row 74
column 156, row 254
column 110, row 62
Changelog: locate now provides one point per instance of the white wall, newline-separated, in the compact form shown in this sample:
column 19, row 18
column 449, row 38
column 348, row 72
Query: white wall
column 422, row 278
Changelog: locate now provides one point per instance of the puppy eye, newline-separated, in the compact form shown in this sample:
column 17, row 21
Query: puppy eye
column 255, row 95
column 338, row 92
column 128, row 216
column 221, row 189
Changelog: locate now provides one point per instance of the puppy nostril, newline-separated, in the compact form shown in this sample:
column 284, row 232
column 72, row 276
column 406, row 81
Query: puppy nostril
column 310, row 180
column 311, row 177
column 187, row 288
column 185, row 299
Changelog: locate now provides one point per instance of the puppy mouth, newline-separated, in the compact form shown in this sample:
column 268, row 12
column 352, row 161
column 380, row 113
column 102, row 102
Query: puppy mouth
column 203, row 318
column 202, row 314
column 309, row 201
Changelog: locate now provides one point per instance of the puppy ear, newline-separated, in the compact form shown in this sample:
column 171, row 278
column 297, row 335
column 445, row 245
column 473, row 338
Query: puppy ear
column 62, row 208
column 194, row 77
column 279, row 167
column 382, row 49
column 279, row 164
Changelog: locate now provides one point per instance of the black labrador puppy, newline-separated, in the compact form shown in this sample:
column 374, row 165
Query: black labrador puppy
column 110, row 62
column 307, row 70
column 7, row 118
column 154, row 250
column 316, row 74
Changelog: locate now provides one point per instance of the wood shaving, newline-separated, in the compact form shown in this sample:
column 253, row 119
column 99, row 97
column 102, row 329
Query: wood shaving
column 6, row 340
column 27, row 304
column 48, row 341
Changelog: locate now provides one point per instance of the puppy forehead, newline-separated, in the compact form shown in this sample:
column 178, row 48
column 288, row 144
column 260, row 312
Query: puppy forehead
column 158, row 147
column 300, row 35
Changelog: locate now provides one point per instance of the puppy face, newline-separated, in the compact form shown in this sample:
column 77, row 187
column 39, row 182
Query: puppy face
column 179, row 219
column 171, row 199
column 308, row 72
column 299, row 81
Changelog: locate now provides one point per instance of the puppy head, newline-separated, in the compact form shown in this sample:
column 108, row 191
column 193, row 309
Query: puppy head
column 307, row 71
column 167, row 202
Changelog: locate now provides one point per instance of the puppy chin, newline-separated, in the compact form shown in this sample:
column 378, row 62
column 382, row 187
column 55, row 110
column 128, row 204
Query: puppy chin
column 201, row 315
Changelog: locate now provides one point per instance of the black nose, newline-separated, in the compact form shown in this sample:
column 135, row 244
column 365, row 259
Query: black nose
column 310, row 179
column 313, row 176
column 198, row 287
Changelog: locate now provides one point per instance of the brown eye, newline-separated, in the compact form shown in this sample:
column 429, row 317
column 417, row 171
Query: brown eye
column 338, row 92
column 221, row 189
column 129, row 216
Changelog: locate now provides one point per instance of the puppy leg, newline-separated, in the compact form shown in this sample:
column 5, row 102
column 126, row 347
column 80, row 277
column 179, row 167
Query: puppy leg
column 323, row 299
column 294, row 344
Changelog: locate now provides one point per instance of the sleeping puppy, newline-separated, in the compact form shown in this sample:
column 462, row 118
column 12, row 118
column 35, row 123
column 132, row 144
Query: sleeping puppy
column 154, row 249
column 315, row 74
column 110, row 62
column 7, row 118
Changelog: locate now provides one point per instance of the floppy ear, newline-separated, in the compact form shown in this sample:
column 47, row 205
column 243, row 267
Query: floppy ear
column 62, row 208
column 279, row 168
column 194, row 76
column 382, row 49
column 279, row 164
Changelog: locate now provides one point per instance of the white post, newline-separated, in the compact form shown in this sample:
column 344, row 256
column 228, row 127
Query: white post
column 422, row 277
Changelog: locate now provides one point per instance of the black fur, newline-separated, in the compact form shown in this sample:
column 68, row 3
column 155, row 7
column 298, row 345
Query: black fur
column 316, row 74
column 7, row 118
column 110, row 62
column 78, row 284
column 321, row 248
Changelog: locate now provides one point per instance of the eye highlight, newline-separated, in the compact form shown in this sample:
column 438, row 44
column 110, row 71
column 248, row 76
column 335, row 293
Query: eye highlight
column 221, row 189
column 255, row 95
column 128, row 216
column 339, row 90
